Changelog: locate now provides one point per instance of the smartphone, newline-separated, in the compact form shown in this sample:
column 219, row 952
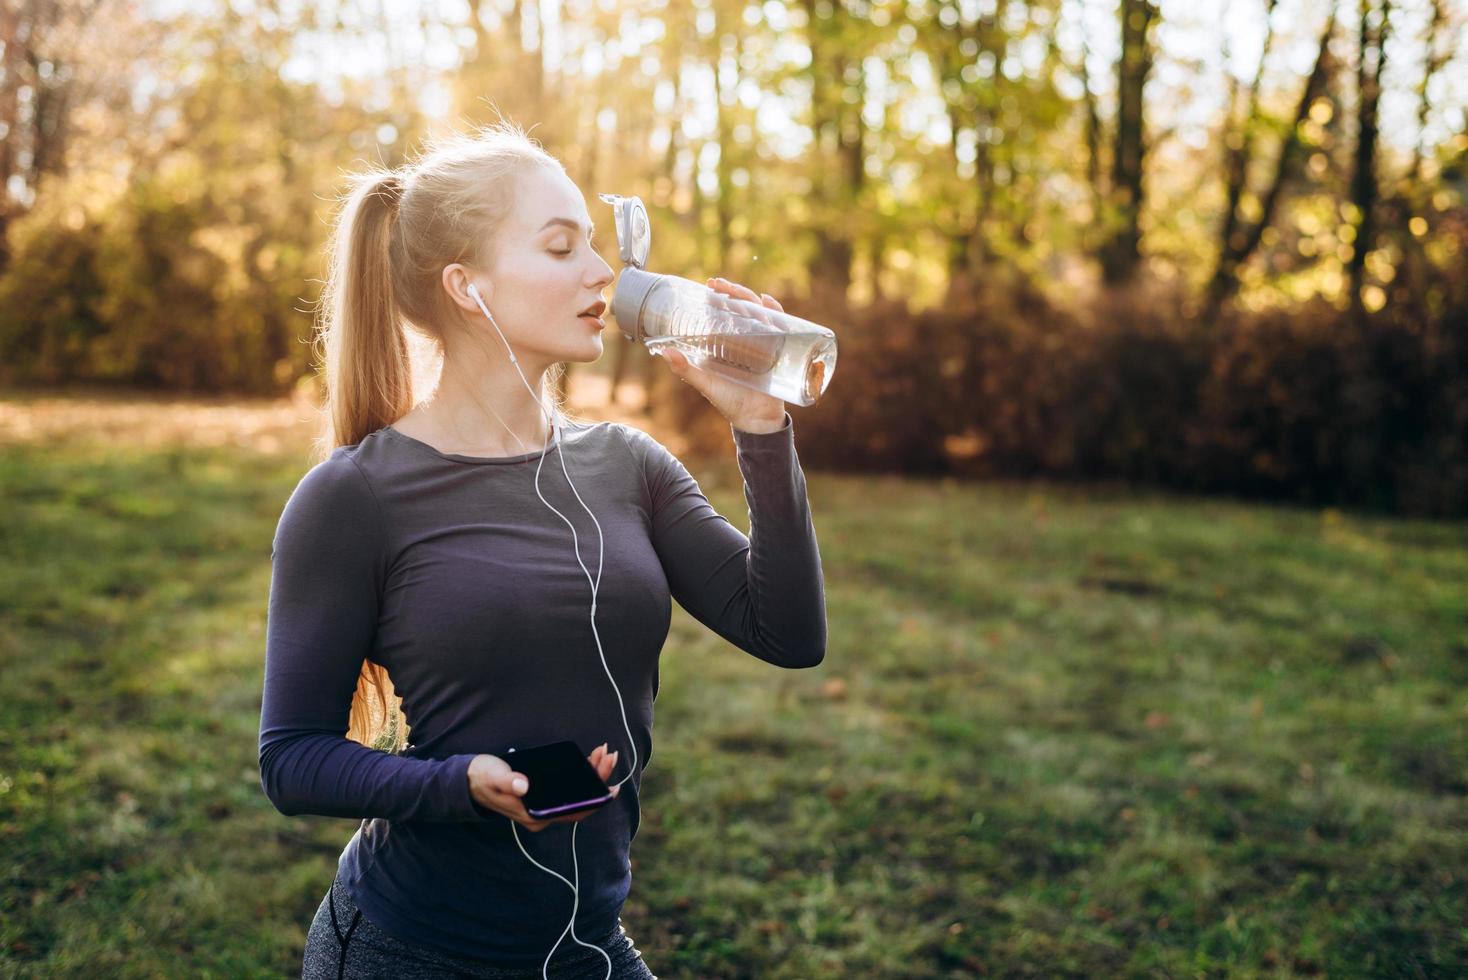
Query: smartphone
column 562, row 779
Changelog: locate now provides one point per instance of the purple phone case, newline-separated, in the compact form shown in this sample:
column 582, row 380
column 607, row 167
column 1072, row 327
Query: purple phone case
column 568, row 807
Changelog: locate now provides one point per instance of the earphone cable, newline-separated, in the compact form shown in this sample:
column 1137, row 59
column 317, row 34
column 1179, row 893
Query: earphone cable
column 595, row 587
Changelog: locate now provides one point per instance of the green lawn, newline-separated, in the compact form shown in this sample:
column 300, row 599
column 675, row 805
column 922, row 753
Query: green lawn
column 1059, row 731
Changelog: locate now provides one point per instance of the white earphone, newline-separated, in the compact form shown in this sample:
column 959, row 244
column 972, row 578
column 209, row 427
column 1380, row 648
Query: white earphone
column 555, row 420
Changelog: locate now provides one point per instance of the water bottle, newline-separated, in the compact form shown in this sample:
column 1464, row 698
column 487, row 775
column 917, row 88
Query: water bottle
column 748, row 343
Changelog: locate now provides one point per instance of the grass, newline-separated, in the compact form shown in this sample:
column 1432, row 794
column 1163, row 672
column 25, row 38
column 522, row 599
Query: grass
column 1060, row 731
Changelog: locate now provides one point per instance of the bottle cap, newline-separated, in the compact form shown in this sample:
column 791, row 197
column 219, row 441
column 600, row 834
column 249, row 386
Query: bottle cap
column 633, row 287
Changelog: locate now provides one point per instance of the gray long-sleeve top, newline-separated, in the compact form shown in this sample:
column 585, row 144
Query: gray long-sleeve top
column 450, row 571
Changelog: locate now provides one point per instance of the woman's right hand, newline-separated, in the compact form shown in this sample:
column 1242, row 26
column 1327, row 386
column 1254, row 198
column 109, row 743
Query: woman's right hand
column 495, row 786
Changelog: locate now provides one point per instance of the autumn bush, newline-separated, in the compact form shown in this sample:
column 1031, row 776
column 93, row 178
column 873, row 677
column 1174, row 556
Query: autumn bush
column 1313, row 404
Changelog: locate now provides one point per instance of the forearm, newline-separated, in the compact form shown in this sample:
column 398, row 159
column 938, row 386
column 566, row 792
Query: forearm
column 332, row 776
column 786, row 585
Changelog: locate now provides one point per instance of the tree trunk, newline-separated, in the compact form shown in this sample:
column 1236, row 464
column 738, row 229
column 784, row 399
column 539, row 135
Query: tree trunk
column 1239, row 144
column 1121, row 253
column 726, row 96
column 1237, row 249
column 831, row 268
column 1093, row 138
column 1433, row 62
column 1375, row 22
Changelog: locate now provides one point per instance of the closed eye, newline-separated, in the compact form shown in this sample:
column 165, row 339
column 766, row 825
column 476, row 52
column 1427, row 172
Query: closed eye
column 591, row 244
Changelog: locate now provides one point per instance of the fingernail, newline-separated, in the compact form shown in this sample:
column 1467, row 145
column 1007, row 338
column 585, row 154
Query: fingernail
column 519, row 785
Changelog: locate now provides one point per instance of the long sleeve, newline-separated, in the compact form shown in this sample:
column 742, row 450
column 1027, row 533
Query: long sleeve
column 764, row 593
column 327, row 572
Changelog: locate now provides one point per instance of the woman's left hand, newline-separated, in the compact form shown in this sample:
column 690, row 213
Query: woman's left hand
column 745, row 408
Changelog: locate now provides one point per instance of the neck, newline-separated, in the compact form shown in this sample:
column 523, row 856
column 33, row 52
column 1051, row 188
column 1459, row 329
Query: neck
column 482, row 405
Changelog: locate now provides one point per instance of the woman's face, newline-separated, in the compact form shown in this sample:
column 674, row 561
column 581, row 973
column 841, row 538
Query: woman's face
column 546, row 273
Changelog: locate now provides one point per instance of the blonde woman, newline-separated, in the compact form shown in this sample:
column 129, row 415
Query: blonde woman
column 431, row 609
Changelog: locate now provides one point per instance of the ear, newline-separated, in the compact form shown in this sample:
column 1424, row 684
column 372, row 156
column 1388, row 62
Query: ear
column 456, row 280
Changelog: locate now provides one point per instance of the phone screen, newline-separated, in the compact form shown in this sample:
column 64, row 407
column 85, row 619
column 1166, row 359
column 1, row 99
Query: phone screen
column 562, row 779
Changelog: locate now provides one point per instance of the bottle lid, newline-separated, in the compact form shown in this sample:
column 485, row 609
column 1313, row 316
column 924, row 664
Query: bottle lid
column 634, row 230
column 633, row 287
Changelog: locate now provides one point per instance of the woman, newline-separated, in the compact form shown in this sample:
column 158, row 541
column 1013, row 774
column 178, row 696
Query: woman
column 425, row 578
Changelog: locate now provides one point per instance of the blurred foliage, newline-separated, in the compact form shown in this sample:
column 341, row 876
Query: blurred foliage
column 1313, row 404
column 191, row 272
column 938, row 182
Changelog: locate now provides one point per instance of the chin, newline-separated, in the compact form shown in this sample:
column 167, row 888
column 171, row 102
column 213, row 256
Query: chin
column 587, row 356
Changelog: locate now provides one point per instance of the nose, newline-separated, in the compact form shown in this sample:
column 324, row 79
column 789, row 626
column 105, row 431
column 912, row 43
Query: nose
column 607, row 274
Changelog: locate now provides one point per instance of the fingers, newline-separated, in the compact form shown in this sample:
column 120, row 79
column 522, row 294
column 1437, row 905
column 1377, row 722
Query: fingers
column 684, row 370
column 513, row 785
column 513, row 807
column 744, row 292
column 603, row 761
column 734, row 289
column 512, row 782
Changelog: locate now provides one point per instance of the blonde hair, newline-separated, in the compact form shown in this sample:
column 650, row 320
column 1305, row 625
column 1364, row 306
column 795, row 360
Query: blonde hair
column 383, row 300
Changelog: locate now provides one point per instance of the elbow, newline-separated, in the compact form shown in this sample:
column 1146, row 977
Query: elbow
column 284, row 801
column 287, row 809
column 815, row 645
column 280, row 801
column 812, row 659
column 796, row 646
column 285, row 804
column 816, row 648
column 791, row 655
column 809, row 654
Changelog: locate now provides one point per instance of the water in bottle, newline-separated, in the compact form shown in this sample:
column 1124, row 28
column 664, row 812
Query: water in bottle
column 749, row 343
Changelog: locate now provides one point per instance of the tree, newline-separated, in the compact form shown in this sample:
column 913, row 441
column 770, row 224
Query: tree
column 838, row 133
column 45, row 71
column 1243, row 236
column 1375, row 24
column 1121, row 252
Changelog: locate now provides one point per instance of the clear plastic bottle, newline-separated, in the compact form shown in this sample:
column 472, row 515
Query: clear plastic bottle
column 749, row 343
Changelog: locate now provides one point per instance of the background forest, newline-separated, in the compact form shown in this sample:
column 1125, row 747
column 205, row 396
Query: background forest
column 1212, row 246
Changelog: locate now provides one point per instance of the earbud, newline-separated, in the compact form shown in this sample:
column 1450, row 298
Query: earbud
column 474, row 290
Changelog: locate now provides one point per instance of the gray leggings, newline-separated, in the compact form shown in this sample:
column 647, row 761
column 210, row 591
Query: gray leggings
column 342, row 942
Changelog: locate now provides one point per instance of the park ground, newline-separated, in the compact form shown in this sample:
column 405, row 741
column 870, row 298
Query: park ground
column 1059, row 730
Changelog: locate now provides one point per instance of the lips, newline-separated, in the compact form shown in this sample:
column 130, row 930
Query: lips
column 594, row 312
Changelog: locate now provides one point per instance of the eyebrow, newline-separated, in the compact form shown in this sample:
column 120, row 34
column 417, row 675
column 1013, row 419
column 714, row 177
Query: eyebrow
column 569, row 224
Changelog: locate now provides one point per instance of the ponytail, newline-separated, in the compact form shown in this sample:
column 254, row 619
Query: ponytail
column 369, row 379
